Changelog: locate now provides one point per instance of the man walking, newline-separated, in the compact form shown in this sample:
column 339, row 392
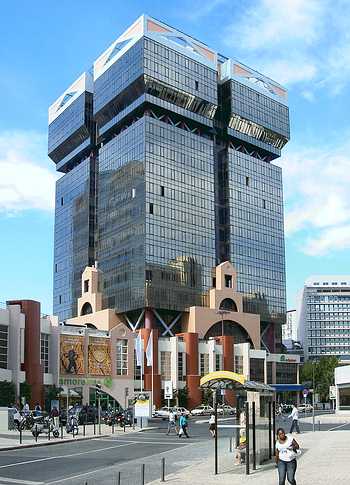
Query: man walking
column 172, row 423
column 183, row 426
column 295, row 419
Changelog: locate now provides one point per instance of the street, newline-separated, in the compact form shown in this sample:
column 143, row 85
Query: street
column 100, row 459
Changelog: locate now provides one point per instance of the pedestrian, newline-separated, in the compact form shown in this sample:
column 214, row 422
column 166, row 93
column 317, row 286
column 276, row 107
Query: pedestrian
column 212, row 425
column 295, row 419
column 286, row 453
column 183, row 423
column 26, row 410
column 37, row 409
column 172, row 423
column 55, row 416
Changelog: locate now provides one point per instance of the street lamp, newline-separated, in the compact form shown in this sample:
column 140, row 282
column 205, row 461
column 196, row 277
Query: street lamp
column 222, row 312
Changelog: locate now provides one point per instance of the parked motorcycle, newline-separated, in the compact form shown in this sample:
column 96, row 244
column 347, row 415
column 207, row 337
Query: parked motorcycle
column 44, row 425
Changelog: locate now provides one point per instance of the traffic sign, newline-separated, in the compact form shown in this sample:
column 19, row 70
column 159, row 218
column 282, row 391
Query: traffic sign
column 168, row 390
column 332, row 392
column 305, row 393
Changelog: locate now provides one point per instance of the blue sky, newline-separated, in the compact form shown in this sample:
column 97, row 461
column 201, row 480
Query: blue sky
column 303, row 44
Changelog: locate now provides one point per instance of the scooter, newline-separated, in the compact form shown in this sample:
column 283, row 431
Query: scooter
column 72, row 425
column 44, row 425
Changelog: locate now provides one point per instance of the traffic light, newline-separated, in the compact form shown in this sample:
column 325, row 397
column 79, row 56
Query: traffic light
column 98, row 390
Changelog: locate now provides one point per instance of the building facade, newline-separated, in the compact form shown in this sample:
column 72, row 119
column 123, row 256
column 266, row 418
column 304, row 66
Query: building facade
column 290, row 329
column 28, row 353
column 167, row 152
column 323, row 317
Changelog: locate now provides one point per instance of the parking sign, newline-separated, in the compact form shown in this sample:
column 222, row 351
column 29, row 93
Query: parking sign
column 168, row 390
column 305, row 393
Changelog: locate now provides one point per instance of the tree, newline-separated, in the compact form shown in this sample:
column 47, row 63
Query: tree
column 323, row 372
column 51, row 393
column 25, row 390
column 7, row 393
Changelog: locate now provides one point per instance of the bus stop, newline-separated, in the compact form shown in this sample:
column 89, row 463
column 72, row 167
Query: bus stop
column 254, row 428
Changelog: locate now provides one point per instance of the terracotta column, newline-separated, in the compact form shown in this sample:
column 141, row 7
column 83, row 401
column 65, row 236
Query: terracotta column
column 192, row 374
column 32, row 364
column 146, row 334
column 228, row 364
column 149, row 318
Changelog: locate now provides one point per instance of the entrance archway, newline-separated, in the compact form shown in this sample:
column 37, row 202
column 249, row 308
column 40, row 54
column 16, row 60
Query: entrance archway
column 239, row 334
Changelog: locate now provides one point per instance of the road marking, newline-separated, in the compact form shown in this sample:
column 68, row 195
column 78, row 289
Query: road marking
column 340, row 426
column 24, row 482
column 63, row 456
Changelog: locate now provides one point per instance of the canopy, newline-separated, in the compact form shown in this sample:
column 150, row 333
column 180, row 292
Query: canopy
column 222, row 379
column 288, row 387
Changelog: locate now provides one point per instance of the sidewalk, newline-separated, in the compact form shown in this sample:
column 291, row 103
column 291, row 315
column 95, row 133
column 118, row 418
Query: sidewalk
column 11, row 439
column 324, row 460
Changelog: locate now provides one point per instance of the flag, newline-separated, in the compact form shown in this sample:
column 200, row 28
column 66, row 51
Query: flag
column 138, row 348
column 149, row 350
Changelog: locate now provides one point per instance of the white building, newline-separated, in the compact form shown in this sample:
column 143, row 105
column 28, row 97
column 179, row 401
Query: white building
column 323, row 317
column 342, row 384
column 290, row 328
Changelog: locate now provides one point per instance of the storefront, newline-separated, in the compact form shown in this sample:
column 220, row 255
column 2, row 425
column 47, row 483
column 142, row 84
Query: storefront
column 342, row 385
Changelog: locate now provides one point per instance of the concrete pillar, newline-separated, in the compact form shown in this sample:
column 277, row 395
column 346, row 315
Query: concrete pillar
column 192, row 375
column 146, row 334
column 228, row 364
column 32, row 364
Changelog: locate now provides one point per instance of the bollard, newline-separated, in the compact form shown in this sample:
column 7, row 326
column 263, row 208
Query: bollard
column 61, row 431
column 254, row 435
column 49, row 433
column 319, row 425
column 247, row 450
column 113, row 426
column 230, row 445
column 124, row 425
column 118, row 478
column 162, row 472
column 95, row 425
column 143, row 474
column 20, row 435
column 36, row 433
column 270, row 431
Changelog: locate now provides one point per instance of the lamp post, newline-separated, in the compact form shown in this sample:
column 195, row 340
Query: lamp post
column 313, row 395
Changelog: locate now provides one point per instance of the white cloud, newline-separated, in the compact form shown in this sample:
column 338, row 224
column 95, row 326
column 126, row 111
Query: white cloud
column 295, row 41
column 317, row 197
column 26, row 179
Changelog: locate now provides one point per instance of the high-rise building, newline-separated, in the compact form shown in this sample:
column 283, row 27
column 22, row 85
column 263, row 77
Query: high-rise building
column 323, row 317
column 166, row 149
column 290, row 328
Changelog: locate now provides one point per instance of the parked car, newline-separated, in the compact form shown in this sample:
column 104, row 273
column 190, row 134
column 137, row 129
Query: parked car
column 226, row 409
column 178, row 410
column 202, row 410
column 163, row 412
column 305, row 408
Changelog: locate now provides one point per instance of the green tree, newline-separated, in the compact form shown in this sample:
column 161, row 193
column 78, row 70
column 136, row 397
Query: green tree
column 25, row 390
column 51, row 393
column 7, row 393
column 323, row 372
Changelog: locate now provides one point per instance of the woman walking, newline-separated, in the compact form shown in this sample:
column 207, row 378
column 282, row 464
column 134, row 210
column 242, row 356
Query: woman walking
column 286, row 448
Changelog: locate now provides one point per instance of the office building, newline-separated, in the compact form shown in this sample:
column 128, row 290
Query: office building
column 166, row 149
column 323, row 317
column 290, row 329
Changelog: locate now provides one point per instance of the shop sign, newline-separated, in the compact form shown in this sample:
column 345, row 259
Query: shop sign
column 88, row 381
column 285, row 358
column 168, row 390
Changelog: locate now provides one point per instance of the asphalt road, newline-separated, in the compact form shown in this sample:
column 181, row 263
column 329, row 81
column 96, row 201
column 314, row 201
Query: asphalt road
column 99, row 460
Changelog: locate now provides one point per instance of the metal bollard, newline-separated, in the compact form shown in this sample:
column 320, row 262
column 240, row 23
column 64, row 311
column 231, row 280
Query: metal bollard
column 118, row 478
column 20, row 435
column 124, row 426
column 49, row 433
column 95, row 426
column 36, row 433
column 112, row 427
column 319, row 425
column 162, row 470
column 230, row 445
column 61, row 431
column 143, row 474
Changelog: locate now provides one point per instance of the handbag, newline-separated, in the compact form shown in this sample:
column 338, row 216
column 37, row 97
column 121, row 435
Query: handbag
column 181, row 431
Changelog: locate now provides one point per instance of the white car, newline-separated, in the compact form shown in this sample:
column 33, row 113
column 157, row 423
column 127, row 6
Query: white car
column 305, row 408
column 180, row 410
column 226, row 409
column 163, row 412
column 202, row 410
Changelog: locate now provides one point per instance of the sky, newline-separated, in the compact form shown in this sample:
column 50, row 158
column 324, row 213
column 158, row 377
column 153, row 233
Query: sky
column 302, row 44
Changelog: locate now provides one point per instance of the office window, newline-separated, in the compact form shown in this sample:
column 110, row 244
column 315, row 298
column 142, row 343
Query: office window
column 122, row 357
column 180, row 366
column 196, row 85
column 44, row 351
column 162, row 190
column 151, row 208
column 247, row 181
column 61, row 201
column 228, row 281
column 165, row 365
column 204, row 364
column 239, row 364
column 218, row 362
column 3, row 346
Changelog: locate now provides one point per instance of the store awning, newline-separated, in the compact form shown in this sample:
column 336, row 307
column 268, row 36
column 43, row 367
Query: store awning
column 288, row 387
